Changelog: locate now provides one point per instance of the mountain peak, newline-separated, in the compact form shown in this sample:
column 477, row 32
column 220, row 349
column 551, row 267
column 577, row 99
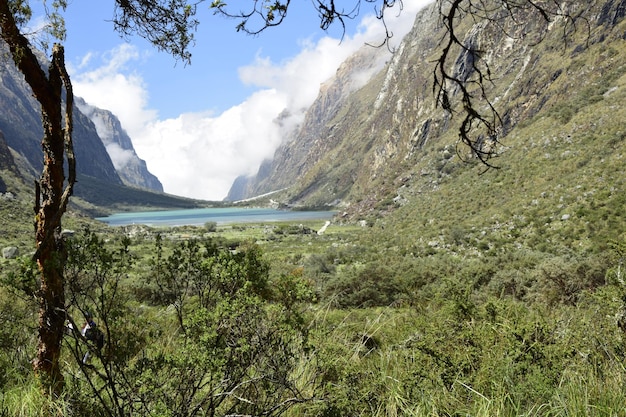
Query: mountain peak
column 132, row 170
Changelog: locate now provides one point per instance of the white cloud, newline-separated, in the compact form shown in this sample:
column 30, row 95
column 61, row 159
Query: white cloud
column 112, row 86
column 85, row 60
column 200, row 154
column 120, row 157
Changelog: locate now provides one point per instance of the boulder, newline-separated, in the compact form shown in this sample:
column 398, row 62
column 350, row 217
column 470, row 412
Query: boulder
column 10, row 252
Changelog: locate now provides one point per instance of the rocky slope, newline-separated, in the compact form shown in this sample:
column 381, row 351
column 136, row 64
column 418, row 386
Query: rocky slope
column 20, row 126
column 299, row 152
column 132, row 170
column 388, row 141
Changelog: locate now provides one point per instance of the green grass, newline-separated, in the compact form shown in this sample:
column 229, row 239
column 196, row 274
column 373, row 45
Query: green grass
column 27, row 400
column 458, row 341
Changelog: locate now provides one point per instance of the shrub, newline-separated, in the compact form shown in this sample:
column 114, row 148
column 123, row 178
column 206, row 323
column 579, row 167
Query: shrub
column 561, row 279
column 365, row 286
column 210, row 227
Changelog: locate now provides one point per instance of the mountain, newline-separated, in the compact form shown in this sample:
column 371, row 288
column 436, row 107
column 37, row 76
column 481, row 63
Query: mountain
column 297, row 154
column 103, row 150
column 132, row 170
column 387, row 143
column 6, row 162
column 20, row 122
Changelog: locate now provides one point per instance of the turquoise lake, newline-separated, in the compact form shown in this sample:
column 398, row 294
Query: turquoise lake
column 197, row 217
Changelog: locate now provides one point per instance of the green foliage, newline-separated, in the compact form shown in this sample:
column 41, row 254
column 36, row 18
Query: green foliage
column 17, row 337
column 615, row 273
column 206, row 272
column 168, row 25
column 94, row 272
column 210, row 226
column 518, row 332
column 365, row 286
column 292, row 229
column 233, row 346
column 54, row 23
column 562, row 279
column 22, row 275
column 290, row 290
column 21, row 10
column 502, row 359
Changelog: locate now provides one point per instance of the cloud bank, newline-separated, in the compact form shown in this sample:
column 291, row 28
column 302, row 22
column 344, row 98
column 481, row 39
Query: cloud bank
column 200, row 154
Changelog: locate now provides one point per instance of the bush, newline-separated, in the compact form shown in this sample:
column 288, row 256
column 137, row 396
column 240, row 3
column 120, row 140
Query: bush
column 367, row 286
column 562, row 279
column 210, row 227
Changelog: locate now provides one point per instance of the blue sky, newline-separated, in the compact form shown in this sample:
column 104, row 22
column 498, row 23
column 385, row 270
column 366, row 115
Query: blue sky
column 211, row 82
column 200, row 126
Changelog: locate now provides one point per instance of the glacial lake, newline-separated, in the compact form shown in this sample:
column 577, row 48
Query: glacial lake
column 221, row 216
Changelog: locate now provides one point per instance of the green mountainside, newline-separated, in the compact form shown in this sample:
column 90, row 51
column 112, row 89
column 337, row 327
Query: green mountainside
column 391, row 159
column 387, row 145
column 544, row 220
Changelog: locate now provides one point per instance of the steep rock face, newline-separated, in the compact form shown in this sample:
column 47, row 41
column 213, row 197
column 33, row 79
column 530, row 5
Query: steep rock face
column 20, row 120
column 103, row 149
column 132, row 170
column 6, row 162
column 321, row 161
column 6, row 159
column 299, row 152
column 377, row 142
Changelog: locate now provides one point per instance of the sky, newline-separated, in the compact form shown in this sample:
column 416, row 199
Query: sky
column 199, row 126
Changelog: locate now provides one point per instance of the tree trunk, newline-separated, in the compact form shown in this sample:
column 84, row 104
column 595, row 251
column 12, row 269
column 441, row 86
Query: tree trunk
column 50, row 254
column 50, row 197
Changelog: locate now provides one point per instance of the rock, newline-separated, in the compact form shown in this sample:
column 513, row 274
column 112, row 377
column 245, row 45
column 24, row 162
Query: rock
column 10, row 252
column 67, row 233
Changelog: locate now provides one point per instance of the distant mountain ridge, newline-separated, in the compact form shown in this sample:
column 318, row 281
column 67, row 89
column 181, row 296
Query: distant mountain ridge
column 132, row 170
column 21, row 129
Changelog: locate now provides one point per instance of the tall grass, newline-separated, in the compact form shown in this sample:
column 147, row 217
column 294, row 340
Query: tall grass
column 518, row 363
column 28, row 400
column 591, row 394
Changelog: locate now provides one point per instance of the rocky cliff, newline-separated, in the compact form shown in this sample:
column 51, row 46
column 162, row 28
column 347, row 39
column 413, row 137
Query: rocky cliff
column 303, row 147
column 20, row 124
column 389, row 141
column 132, row 170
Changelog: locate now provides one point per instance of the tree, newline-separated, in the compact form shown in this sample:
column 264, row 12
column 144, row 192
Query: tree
column 51, row 192
column 167, row 25
column 230, row 350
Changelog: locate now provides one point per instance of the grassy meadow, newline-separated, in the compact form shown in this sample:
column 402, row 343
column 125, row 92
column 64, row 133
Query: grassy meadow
column 345, row 323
